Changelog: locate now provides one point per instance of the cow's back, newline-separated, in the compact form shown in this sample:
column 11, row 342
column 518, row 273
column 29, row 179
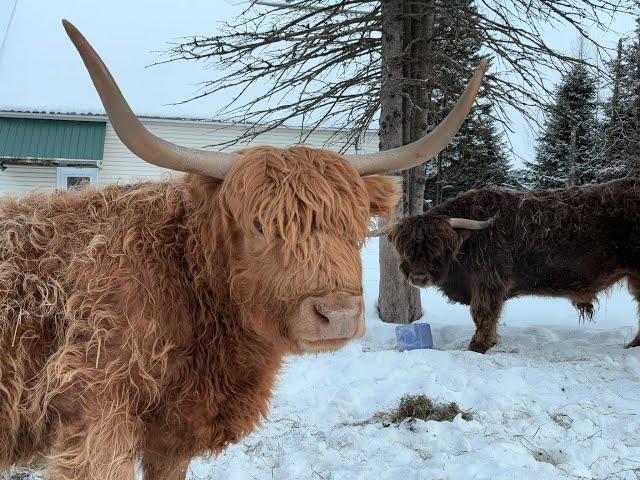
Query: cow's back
column 555, row 242
column 576, row 241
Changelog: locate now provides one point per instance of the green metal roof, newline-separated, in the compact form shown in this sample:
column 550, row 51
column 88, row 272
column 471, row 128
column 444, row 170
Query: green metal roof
column 51, row 139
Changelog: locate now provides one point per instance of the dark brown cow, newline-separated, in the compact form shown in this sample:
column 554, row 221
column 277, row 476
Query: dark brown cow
column 147, row 322
column 569, row 242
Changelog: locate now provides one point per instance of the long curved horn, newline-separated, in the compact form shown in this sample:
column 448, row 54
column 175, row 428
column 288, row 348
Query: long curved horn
column 468, row 224
column 380, row 231
column 409, row 156
column 131, row 131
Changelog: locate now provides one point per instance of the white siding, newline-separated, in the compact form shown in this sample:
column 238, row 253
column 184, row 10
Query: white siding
column 18, row 179
column 121, row 166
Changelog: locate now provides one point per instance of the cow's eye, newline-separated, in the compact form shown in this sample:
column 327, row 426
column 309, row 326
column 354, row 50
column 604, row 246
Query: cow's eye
column 257, row 225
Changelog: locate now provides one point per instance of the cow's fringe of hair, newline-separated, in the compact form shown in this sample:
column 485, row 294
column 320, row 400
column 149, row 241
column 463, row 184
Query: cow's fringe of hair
column 298, row 200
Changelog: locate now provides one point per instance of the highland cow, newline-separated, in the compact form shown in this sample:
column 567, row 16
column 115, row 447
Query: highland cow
column 147, row 322
column 569, row 242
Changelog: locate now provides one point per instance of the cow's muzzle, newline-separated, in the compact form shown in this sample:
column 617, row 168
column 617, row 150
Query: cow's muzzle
column 420, row 280
column 331, row 318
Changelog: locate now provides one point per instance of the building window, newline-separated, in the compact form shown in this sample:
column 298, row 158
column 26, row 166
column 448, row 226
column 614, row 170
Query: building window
column 75, row 177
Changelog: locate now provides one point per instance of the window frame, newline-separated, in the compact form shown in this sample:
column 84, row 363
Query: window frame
column 63, row 173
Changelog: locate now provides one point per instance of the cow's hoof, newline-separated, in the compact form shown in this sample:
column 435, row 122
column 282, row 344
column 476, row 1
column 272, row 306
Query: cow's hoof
column 481, row 346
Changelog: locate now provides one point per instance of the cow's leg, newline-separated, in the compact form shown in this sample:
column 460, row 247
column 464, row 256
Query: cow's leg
column 634, row 288
column 96, row 448
column 584, row 307
column 160, row 459
column 157, row 466
column 635, row 342
column 486, row 305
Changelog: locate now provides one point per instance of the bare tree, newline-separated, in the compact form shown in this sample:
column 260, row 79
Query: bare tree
column 320, row 61
column 340, row 63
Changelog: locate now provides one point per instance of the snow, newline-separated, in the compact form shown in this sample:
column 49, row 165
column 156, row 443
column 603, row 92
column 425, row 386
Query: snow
column 584, row 379
column 555, row 399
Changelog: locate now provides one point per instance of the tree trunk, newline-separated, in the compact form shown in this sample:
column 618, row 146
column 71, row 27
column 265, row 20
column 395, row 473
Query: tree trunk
column 571, row 177
column 439, row 180
column 615, row 106
column 420, row 32
column 407, row 33
column 398, row 301
column 635, row 140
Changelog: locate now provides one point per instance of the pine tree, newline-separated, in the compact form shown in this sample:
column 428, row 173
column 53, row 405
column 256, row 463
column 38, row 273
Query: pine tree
column 623, row 111
column 476, row 158
column 566, row 153
column 477, row 155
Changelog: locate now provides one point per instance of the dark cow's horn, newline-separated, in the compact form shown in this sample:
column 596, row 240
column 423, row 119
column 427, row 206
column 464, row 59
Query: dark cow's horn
column 468, row 224
column 380, row 231
column 131, row 131
column 409, row 156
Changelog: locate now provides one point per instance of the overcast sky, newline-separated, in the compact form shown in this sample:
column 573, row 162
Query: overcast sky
column 39, row 70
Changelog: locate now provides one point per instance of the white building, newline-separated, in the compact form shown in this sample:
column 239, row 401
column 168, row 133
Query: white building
column 53, row 131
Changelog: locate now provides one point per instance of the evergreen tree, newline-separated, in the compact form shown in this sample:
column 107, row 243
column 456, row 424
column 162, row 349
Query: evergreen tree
column 477, row 156
column 623, row 111
column 566, row 153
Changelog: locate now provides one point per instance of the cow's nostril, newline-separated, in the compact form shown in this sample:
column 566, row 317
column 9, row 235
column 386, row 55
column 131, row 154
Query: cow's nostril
column 333, row 317
column 323, row 313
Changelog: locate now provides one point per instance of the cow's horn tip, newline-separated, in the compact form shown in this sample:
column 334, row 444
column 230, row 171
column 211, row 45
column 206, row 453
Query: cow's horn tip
column 69, row 27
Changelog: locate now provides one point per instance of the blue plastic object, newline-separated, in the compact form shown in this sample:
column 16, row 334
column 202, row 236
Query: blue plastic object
column 414, row 336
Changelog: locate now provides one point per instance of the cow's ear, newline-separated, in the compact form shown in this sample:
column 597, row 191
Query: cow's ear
column 462, row 234
column 384, row 193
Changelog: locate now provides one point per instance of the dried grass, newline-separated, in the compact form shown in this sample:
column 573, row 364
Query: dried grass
column 423, row 408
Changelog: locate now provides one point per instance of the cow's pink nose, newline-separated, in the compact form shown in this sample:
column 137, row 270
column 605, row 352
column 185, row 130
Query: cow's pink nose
column 335, row 316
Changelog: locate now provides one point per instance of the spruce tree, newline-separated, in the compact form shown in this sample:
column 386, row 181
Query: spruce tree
column 477, row 156
column 623, row 111
column 567, row 153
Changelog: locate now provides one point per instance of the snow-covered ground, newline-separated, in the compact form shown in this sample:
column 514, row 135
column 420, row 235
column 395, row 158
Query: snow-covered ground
column 555, row 399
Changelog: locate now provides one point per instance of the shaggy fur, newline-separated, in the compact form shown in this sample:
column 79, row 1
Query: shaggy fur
column 147, row 322
column 570, row 242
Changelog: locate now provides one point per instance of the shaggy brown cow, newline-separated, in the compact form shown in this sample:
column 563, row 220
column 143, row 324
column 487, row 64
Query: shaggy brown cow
column 147, row 322
column 569, row 242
